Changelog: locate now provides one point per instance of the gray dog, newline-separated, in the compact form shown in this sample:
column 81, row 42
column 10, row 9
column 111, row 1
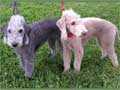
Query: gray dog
column 26, row 38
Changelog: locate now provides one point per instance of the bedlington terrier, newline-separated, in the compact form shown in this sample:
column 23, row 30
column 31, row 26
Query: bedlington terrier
column 26, row 38
column 83, row 29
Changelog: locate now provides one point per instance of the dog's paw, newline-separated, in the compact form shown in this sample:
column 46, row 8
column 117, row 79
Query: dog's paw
column 66, row 71
column 28, row 78
column 52, row 56
column 115, row 63
column 102, row 57
column 76, row 72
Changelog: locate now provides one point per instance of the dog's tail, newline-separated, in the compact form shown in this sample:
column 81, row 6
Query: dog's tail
column 118, row 34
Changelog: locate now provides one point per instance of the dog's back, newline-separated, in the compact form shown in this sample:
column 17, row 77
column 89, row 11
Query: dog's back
column 98, row 26
column 43, row 27
column 43, row 30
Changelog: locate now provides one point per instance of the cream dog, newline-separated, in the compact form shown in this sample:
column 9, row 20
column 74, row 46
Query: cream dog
column 82, row 29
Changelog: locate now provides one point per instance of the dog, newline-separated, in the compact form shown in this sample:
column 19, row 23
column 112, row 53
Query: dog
column 26, row 38
column 81, row 30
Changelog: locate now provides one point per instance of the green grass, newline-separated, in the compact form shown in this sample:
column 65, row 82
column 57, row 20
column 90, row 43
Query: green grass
column 95, row 73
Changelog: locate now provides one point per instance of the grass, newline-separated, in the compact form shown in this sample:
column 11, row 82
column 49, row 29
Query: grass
column 95, row 73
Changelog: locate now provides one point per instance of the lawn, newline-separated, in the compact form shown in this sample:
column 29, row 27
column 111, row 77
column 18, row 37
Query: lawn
column 95, row 72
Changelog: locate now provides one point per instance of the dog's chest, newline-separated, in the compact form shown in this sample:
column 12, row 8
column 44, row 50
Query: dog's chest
column 73, row 43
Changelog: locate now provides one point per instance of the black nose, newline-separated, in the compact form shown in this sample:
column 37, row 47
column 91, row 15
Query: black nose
column 14, row 44
column 84, row 33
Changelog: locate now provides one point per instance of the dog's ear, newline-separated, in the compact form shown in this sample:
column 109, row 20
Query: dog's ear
column 62, row 26
column 27, row 30
column 3, row 30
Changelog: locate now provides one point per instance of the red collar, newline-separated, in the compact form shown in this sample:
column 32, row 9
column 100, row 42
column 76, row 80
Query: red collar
column 70, row 35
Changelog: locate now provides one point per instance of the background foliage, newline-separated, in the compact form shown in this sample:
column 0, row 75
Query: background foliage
column 95, row 72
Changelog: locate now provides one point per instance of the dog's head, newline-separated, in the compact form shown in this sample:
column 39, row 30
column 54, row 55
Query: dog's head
column 15, row 31
column 71, row 21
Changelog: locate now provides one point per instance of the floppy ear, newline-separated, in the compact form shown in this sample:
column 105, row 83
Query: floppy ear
column 27, row 30
column 3, row 29
column 62, row 26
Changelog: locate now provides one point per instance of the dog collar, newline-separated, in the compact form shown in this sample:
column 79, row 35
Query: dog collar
column 70, row 35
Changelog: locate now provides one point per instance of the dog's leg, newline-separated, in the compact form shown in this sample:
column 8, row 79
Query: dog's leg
column 78, row 50
column 22, row 63
column 21, row 60
column 112, row 55
column 66, row 56
column 78, row 59
column 51, row 43
column 59, row 46
column 103, row 51
column 107, row 44
column 29, row 65
column 26, row 59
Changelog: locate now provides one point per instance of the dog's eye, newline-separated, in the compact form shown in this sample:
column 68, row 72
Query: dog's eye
column 9, row 31
column 73, row 23
column 20, row 31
